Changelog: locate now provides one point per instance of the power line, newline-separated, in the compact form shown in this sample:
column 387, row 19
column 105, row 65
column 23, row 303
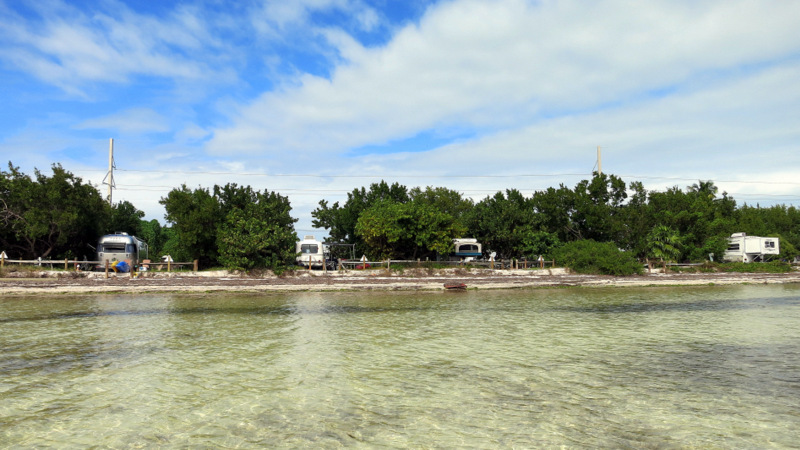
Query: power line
column 307, row 175
column 743, row 196
column 395, row 176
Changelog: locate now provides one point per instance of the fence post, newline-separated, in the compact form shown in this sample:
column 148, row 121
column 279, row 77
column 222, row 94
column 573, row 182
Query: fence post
column 3, row 259
column 169, row 264
column 196, row 264
column 106, row 268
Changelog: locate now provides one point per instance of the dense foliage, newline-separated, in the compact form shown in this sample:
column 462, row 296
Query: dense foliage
column 234, row 226
column 675, row 225
column 599, row 225
column 257, row 233
column 598, row 258
column 54, row 216
column 391, row 222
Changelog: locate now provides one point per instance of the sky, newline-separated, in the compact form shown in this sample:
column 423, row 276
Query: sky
column 313, row 98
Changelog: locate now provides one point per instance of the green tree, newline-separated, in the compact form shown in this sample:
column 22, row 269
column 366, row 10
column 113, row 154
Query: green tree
column 433, row 230
column 49, row 216
column 172, row 246
column 384, row 229
column 507, row 224
column 407, row 230
column 153, row 233
column 125, row 218
column 258, row 234
column 598, row 204
column 702, row 219
column 444, row 200
column 592, row 257
column 195, row 216
column 637, row 221
column 555, row 208
column 341, row 220
column 664, row 244
column 235, row 226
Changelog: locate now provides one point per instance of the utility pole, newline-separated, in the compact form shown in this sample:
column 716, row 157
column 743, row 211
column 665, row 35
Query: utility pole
column 599, row 162
column 110, row 175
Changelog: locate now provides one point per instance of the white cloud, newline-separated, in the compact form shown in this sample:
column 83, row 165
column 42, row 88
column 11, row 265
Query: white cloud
column 678, row 89
column 134, row 120
column 492, row 65
column 71, row 48
column 191, row 134
column 273, row 18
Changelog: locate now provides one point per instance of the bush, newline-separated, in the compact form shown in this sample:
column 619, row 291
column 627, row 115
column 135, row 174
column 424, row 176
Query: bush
column 764, row 267
column 597, row 258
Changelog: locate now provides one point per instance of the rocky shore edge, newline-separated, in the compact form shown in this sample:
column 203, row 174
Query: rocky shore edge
column 67, row 283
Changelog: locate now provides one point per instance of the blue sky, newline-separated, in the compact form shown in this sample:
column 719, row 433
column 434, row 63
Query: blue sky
column 312, row 98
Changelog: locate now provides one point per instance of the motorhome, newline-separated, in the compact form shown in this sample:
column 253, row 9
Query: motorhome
column 466, row 249
column 311, row 252
column 121, row 247
column 744, row 248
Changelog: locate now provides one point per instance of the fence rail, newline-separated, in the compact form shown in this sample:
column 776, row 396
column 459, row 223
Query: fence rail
column 77, row 265
column 500, row 264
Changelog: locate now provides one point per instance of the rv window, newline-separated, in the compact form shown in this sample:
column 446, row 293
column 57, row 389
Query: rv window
column 468, row 248
column 130, row 248
column 114, row 246
column 769, row 244
column 733, row 247
column 309, row 248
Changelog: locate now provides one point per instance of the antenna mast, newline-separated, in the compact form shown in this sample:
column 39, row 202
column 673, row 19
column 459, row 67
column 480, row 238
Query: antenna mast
column 110, row 174
column 599, row 162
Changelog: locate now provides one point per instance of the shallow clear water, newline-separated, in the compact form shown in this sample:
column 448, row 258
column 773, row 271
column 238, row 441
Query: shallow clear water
column 657, row 367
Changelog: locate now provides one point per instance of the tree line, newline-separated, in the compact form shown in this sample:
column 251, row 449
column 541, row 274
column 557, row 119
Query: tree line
column 237, row 227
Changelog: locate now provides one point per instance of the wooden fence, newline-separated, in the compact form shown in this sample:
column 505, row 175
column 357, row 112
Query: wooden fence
column 78, row 265
column 500, row 264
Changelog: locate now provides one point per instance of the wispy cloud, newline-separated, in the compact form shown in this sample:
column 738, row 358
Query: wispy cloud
column 429, row 95
column 504, row 64
column 134, row 120
column 72, row 48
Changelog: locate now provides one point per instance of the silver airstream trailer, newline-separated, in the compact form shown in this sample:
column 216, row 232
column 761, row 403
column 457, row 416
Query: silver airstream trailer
column 121, row 247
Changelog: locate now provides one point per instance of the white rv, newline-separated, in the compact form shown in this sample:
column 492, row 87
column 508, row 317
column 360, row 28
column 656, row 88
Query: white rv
column 744, row 248
column 466, row 249
column 312, row 253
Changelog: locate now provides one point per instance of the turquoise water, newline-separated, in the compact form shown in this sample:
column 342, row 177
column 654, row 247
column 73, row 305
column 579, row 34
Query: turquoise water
column 637, row 368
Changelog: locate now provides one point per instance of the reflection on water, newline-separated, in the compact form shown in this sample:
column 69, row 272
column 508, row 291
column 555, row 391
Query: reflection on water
column 656, row 367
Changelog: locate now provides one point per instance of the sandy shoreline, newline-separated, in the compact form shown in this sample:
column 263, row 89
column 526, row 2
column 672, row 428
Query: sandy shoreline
column 409, row 280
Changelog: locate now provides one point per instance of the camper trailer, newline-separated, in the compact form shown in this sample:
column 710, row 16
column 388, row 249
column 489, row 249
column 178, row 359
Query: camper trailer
column 466, row 249
column 121, row 247
column 744, row 248
column 311, row 252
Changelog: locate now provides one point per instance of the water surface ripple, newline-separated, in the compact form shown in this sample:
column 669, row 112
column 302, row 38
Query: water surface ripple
column 636, row 368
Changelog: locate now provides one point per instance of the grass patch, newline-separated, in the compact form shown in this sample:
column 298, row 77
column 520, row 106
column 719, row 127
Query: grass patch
column 735, row 267
column 766, row 267
column 22, row 271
